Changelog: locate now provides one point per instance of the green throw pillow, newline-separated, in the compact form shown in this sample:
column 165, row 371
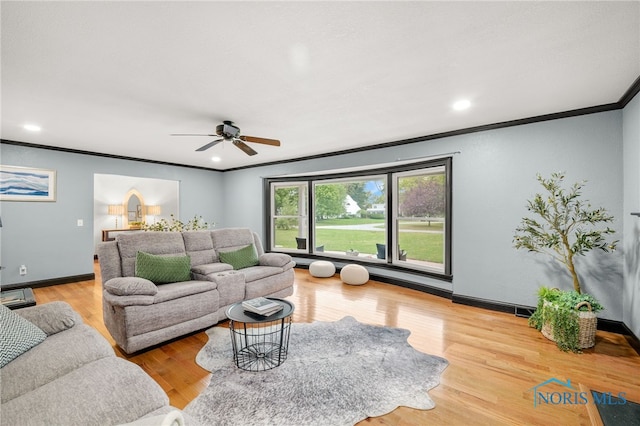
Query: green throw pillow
column 163, row 269
column 242, row 258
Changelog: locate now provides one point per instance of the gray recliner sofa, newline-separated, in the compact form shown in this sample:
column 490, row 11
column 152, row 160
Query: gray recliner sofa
column 73, row 376
column 140, row 314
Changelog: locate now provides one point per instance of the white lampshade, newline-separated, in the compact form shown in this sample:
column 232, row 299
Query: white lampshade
column 154, row 210
column 116, row 209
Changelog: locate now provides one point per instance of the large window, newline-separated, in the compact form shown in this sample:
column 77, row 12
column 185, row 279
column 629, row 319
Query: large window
column 398, row 217
column 420, row 217
column 350, row 216
column 289, row 222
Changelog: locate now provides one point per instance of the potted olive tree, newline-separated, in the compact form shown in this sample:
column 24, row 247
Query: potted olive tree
column 565, row 226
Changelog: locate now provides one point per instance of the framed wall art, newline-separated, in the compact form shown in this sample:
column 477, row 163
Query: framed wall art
column 27, row 184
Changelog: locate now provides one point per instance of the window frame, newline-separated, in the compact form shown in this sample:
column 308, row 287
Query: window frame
column 312, row 204
column 395, row 259
column 303, row 218
column 392, row 262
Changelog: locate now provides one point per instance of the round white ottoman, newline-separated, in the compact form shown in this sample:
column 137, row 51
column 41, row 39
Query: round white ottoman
column 322, row 269
column 354, row 274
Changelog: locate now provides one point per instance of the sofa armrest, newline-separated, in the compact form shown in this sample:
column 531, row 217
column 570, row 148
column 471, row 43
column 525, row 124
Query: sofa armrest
column 132, row 300
column 129, row 286
column 52, row 317
column 274, row 259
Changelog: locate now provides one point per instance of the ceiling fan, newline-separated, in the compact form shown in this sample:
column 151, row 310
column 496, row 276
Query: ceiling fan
column 227, row 131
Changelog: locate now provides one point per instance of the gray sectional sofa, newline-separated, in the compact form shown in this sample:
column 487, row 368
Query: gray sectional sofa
column 69, row 375
column 140, row 313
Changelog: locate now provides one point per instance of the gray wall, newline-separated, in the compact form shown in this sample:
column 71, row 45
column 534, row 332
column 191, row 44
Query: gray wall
column 493, row 176
column 45, row 237
column 631, row 242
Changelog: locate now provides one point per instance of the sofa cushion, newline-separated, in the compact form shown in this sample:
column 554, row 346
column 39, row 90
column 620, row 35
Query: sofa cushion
column 163, row 269
column 211, row 268
column 231, row 238
column 199, row 247
column 52, row 317
column 58, row 355
column 104, row 392
column 130, row 243
column 241, row 258
column 278, row 285
column 169, row 310
column 18, row 335
column 127, row 286
column 181, row 289
column 258, row 272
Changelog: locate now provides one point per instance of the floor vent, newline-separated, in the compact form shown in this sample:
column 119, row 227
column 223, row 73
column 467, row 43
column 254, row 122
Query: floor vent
column 524, row 311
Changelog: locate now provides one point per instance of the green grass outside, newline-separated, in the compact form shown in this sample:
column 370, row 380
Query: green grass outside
column 348, row 221
column 421, row 226
column 419, row 246
column 380, row 223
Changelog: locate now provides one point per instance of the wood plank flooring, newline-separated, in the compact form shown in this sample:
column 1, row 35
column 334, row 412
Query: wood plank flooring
column 495, row 359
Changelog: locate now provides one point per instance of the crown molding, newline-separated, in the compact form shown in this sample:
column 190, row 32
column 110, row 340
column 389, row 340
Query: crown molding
column 629, row 94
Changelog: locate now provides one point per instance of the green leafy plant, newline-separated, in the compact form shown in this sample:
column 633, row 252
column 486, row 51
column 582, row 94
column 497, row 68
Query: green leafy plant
column 559, row 309
column 567, row 226
column 175, row 225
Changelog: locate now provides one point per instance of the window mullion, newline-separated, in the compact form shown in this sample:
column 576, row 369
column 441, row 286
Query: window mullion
column 311, row 217
column 391, row 213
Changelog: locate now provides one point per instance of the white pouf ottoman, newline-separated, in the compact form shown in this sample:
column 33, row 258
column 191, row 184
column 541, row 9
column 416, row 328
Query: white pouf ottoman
column 354, row 274
column 322, row 269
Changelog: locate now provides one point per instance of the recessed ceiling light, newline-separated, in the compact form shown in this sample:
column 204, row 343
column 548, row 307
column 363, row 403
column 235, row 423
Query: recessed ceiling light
column 216, row 159
column 462, row 104
column 32, row 127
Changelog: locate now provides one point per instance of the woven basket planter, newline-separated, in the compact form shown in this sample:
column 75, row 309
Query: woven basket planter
column 587, row 322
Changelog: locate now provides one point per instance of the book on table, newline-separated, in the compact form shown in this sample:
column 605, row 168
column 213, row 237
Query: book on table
column 262, row 306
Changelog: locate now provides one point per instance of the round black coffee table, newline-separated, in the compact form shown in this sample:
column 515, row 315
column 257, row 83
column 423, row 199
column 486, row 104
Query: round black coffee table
column 260, row 343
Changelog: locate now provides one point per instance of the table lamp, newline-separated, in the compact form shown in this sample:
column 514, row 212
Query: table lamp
column 116, row 210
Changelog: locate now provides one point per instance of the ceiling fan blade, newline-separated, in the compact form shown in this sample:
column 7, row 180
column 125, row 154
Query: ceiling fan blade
column 189, row 134
column 273, row 142
column 244, row 147
column 209, row 145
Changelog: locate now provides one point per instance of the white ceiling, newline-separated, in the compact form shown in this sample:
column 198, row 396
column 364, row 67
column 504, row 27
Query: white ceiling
column 120, row 77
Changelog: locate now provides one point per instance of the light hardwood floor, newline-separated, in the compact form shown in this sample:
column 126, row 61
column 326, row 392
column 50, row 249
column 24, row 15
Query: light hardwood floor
column 495, row 359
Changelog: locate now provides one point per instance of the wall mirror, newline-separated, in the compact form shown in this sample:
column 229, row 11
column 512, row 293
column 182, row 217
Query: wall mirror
column 134, row 207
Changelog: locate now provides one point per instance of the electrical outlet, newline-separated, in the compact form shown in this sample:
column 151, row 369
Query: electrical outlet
column 23, row 269
column 80, row 222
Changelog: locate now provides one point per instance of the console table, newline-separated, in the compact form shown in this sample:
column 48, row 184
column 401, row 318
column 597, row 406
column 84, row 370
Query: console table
column 106, row 233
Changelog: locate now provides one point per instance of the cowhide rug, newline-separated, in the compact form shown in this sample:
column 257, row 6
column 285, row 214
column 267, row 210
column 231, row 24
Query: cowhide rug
column 336, row 373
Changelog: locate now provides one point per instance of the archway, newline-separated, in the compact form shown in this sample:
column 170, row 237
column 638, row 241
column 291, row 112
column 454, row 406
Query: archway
column 134, row 207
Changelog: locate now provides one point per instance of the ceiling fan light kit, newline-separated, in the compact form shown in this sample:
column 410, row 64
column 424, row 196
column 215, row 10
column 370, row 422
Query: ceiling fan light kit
column 230, row 132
